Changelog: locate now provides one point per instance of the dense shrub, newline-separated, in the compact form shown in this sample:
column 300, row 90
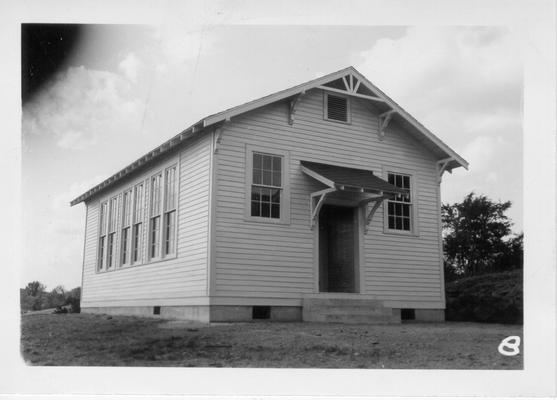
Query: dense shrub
column 486, row 298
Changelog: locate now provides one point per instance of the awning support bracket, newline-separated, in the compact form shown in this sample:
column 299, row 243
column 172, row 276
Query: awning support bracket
column 384, row 120
column 316, row 201
column 377, row 201
column 293, row 104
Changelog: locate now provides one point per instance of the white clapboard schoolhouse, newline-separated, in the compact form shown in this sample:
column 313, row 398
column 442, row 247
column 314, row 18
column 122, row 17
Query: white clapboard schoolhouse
column 317, row 203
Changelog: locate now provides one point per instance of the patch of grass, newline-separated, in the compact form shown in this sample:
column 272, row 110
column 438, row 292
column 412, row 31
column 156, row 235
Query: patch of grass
column 88, row 339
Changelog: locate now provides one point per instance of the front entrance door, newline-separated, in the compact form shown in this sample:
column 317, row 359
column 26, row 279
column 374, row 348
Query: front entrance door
column 336, row 249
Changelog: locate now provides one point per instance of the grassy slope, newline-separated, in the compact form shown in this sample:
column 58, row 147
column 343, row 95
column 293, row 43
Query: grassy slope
column 84, row 339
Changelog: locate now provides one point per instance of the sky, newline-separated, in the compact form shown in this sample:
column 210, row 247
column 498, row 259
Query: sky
column 125, row 89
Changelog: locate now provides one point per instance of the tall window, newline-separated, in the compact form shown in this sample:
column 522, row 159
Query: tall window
column 399, row 209
column 170, row 211
column 137, row 223
column 126, row 223
column 266, row 185
column 102, row 234
column 112, row 223
column 155, row 221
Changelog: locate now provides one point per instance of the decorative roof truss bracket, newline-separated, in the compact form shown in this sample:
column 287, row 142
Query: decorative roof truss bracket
column 217, row 137
column 442, row 167
column 316, row 201
column 384, row 120
column 351, row 93
column 293, row 104
column 377, row 201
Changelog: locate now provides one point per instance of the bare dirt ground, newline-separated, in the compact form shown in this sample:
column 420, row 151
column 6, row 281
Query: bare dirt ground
column 101, row 340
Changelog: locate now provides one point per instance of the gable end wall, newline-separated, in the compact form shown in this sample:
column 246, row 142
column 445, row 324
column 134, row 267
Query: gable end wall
column 276, row 263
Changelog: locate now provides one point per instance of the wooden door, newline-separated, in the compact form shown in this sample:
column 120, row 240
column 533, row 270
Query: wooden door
column 336, row 249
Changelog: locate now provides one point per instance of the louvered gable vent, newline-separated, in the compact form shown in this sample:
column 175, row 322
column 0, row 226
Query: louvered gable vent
column 337, row 108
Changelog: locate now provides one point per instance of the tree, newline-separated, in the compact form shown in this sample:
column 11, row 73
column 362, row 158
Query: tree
column 34, row 288
column 33, row 296
column 476, row 235
column 56, row 297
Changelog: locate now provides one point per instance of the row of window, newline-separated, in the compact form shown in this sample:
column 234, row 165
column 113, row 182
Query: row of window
column 267, row 192
column 122, row 221
column 124, row 214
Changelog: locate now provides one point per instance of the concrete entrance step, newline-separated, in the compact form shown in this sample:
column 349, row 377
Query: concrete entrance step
column 347, row 308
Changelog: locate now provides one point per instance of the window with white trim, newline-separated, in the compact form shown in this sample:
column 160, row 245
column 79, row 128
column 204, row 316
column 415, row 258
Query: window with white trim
column 139, row 224
column 170, row 200
column 399, row 209
column 337, row 108
column 112, row 224
column 155, row 216
column 137, row 231
column 102, row 234
column 125, row 239
column 266, row 186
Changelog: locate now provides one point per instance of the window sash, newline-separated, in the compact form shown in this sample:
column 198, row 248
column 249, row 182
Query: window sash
column 154, row 237
column 170, row 189
column 102, row 241
column 126, row 208
column 136, row 244
column 125, row 245
column 138, row 203
column 110, row 250
column 103, row 215
column 399, row 209
column 266, row 185
column 156, row 194
column 170, row 236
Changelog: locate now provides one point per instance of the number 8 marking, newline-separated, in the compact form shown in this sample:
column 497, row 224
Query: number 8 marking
column 512, row 343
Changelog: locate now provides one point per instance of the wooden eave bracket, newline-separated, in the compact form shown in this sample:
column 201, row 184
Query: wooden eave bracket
column 217, row 138
column 293, row 104
column 316, row 201
column 377, row 201
column 384, row 120
column 442, row 167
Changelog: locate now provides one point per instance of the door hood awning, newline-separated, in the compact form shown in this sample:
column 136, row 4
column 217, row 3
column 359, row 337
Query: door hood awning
column 350, row 179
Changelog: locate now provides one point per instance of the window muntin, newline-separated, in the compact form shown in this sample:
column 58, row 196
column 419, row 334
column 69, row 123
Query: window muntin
column 266, row 187
column 126, row 223
column 337, row 108
column 102, row 234
column 399, row 209
column 170, row 200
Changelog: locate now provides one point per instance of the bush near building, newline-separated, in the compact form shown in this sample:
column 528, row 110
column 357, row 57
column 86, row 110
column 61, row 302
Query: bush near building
column 494, row 297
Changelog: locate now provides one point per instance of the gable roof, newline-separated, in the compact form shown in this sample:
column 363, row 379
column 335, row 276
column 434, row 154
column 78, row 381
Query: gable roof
column 347, row 81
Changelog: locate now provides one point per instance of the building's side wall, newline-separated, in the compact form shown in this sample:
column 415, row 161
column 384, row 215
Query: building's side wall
column 181, row 280
column 263, row 263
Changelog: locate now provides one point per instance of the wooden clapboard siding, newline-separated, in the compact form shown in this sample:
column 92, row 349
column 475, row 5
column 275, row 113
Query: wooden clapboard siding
column 277, row 260
column 177, row 281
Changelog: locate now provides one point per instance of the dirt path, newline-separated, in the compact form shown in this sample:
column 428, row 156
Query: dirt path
column 85, row 339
